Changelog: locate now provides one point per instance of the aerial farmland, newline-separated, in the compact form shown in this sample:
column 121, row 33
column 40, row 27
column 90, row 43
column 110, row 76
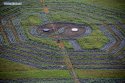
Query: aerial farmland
column 62, row 41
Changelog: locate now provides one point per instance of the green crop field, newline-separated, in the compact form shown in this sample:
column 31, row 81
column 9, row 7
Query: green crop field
column 11, row 70
column 94, row 41
column 62, row 41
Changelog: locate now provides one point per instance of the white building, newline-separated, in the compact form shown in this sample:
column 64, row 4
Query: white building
column 74, row 29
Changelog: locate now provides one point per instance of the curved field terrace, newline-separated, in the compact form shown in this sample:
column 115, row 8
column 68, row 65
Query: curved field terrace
column 62, row 41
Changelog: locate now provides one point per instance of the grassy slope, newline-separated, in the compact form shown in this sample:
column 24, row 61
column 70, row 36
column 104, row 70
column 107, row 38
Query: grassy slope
column 35, row 74
column 67, row 45
column 12, row 70
column 31, row 20
column 95, row 40
column 6, row 65
column 64, row 17
column 101, row 73
column 116, row 4
column 107, row 4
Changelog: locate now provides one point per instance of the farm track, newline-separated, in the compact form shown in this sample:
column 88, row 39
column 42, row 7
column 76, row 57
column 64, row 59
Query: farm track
column 121, row 27
column 112, row 40
column 117, row 36
column 10, row 26
column 19, row 29
column 70, row 67
column 4, row 35
column 75, row 45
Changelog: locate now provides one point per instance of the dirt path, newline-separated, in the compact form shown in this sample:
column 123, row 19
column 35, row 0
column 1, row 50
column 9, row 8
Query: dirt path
column 118, row 40
column 69, row 63
column 70, row 67
column 12, row 27
column 44, row 17
column 66, row 57
column 75, row 45
column 4, row 35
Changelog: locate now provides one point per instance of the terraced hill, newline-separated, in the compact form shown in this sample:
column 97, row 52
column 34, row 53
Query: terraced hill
column 95, row 53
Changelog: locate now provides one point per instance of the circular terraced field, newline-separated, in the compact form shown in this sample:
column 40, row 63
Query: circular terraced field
column 93, row 41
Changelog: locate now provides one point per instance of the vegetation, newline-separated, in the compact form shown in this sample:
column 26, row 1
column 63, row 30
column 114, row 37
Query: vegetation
column 12, row 70
column 9, row 66
column 116, row 4
column 67, row 45
column 40, row 57
column 101, row 73
column 35, row 74
column 63, row 16
column 32, row 20
column 95, row 40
